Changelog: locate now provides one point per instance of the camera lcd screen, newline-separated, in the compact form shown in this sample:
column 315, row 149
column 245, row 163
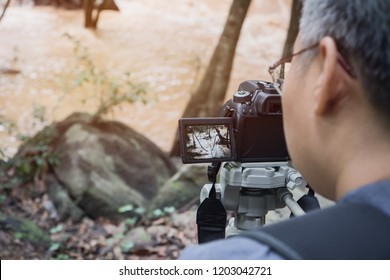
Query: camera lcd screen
column 206, row 140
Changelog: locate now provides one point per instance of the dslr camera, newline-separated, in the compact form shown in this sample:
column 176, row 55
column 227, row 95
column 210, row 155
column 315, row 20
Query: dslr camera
column 249, row 129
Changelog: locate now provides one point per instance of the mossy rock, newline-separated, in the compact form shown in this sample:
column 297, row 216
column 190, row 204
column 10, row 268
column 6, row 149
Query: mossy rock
column 25, row 230
column 97, row 167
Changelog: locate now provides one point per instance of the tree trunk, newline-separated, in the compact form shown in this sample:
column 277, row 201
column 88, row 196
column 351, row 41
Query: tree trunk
column 91, row 21
column 88, row 12
column 208, row 98
column 293, row 28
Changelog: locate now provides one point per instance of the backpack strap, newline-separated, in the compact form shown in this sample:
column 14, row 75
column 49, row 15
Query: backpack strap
column 345, row 231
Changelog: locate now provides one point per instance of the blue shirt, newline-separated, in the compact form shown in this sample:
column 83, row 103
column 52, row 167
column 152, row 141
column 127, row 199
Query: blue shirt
column 241, row 248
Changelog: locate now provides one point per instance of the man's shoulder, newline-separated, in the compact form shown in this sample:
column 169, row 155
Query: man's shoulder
column 376, row 194
column 233, row 248
column 337, row 232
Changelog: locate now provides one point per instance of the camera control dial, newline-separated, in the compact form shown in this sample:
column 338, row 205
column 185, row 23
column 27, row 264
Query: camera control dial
column 242, row 96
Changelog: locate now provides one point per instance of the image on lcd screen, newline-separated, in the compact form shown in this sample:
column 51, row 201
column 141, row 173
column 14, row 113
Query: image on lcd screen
column 204, row 142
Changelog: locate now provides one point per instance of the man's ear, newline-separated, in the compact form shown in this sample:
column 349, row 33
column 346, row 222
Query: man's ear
column 328, row 85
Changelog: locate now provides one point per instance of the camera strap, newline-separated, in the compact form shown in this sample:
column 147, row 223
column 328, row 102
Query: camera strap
column 308, row 202
column 211, row 215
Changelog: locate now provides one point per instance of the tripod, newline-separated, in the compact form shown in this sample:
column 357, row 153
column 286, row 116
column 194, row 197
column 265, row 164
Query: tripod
column 250, row 190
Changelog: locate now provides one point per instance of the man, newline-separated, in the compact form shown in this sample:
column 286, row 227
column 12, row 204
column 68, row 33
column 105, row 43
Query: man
column 336, row 111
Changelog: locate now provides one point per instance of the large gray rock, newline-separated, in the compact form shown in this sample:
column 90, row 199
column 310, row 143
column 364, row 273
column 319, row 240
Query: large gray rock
column 94, row 167
column 105, row 165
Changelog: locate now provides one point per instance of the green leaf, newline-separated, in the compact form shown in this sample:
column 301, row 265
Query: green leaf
column 54, row 247
column 40, row 162
column 169, row 210
column 119, row 236
column 56, row 229
column 158, row 213
column 18, row 235
column 126, row 246
column 140, row 210
column 53, row 160
column 62, row 257
column 110, row 241
column 26, row 168
column 125, row 208
column 130, row 221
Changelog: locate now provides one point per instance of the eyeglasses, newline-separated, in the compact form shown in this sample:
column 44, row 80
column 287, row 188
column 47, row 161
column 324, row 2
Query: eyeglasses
column 280, row 68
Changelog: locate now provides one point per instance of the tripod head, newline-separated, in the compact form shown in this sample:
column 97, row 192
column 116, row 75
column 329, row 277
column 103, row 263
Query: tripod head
column 250, row 190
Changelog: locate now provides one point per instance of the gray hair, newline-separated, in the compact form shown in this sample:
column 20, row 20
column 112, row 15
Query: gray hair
column 361, row 29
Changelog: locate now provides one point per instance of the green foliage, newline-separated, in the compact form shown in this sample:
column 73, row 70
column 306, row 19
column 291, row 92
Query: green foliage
column 35, row 153
column 33, row 158
column 129, row 208
column 54, row 247
column 57, row 229
column 134, row 213
column 140, row 210
column 126, row 208
column 130, row 222
column 62, row 257
column 126, row 246
column 156, row 213
column 24, row 229
column 108, row 90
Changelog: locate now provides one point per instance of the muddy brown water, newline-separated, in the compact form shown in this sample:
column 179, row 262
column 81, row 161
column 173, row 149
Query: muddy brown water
column 164, row 44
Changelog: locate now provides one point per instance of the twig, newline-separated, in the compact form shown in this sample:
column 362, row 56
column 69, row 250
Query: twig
column 5, row 8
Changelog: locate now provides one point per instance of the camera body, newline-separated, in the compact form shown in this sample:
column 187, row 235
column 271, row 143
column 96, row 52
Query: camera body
column 253, row 125
column 258, row 122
